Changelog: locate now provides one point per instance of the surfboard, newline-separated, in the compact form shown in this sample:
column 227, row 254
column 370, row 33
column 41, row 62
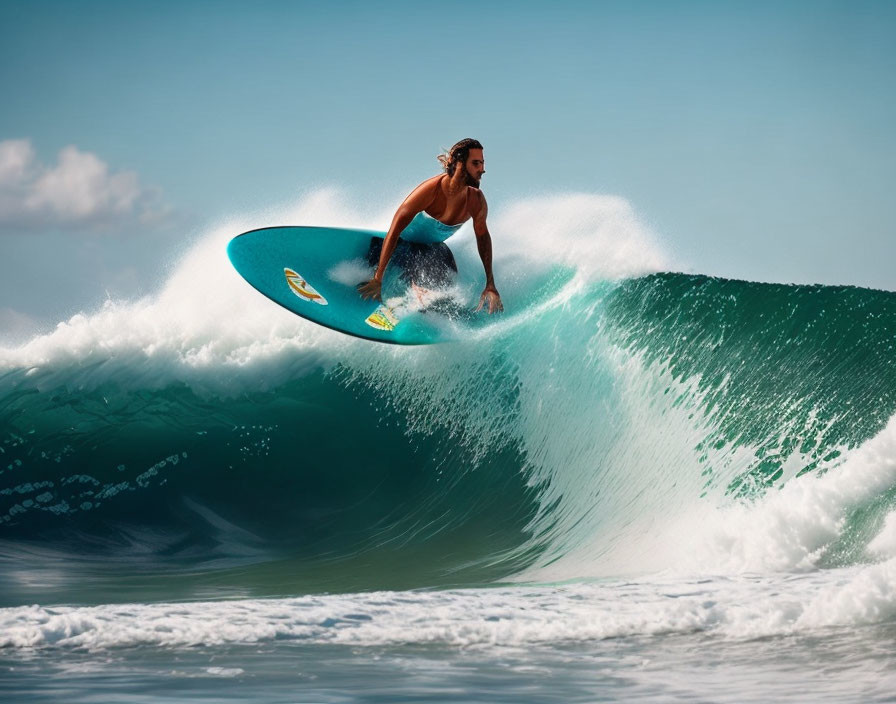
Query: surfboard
column 314, row 272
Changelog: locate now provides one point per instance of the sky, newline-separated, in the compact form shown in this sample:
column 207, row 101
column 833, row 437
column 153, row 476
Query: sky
column 755, row 139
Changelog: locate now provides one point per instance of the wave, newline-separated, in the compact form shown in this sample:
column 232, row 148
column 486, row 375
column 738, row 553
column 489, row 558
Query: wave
column 203, row 441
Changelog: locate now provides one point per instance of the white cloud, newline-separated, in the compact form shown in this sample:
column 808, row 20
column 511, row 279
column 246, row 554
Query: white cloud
column 79, row 190
column 15, row 156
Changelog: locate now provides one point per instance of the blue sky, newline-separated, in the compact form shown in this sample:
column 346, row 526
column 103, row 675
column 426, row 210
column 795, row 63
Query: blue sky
column 755, row 138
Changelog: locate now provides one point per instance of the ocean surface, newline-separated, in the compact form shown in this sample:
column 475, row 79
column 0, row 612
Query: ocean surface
column 635, row 485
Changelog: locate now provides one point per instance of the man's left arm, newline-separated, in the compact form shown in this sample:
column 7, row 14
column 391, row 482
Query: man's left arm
column 490, row 295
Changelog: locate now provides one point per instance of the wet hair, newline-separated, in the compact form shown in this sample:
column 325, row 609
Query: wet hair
column 458, row 154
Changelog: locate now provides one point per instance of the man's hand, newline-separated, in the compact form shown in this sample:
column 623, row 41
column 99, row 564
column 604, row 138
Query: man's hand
column 490, row 295
column 371, row 289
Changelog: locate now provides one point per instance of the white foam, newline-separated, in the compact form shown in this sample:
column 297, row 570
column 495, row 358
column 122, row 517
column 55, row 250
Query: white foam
column 225, row 671
column 791, row 528
column 734, row 608
column 884, row 544
column 867, row 597
column 598, row 235
column 351, row 272
column 204, row 320
column 206, row 325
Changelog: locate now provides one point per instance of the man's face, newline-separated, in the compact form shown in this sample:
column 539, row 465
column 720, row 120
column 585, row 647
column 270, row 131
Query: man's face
column 475, row 167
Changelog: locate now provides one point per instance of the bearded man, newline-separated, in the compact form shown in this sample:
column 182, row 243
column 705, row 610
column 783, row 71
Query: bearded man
column 433, row 212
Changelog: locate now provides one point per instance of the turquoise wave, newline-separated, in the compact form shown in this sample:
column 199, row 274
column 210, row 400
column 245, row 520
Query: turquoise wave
column 783, row 369
column 552, row 440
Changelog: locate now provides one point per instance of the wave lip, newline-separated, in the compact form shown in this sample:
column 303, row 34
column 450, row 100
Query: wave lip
column 205, row 317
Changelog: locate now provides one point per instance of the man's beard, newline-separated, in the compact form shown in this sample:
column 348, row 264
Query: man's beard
column 472, row 181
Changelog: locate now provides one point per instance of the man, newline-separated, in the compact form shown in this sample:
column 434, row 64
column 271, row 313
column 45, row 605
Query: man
column 421, row 224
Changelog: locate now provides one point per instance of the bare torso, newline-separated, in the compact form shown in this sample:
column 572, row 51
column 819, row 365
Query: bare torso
column 447, row 206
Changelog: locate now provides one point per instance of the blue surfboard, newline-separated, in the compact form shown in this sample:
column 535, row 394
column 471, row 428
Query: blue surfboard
column 314, row 272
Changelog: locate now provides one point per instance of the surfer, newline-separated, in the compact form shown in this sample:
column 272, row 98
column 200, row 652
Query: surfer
column 420, row 227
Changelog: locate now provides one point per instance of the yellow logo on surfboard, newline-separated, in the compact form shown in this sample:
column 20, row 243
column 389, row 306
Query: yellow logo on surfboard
column 382, row 319
column 300, row 286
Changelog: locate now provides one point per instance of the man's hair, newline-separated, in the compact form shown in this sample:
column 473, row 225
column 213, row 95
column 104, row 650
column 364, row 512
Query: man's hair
column 458, row 154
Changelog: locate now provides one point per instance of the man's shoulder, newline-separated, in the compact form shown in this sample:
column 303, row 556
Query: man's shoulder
column 426, row 190
column 432, row 182
column 476, row 199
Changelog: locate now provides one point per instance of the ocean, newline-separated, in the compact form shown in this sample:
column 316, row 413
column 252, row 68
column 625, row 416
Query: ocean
column 635, row 485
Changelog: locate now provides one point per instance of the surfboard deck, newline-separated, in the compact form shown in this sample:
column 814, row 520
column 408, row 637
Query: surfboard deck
column 314, row 272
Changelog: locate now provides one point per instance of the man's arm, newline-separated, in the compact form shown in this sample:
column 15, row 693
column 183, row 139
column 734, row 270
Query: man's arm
column 484, row 245
column 419, row 199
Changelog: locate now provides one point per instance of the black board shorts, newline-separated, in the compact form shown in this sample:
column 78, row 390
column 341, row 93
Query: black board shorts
column 429, row 265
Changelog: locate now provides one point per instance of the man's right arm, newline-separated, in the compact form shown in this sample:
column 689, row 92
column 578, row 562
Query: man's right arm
column 419, row 199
